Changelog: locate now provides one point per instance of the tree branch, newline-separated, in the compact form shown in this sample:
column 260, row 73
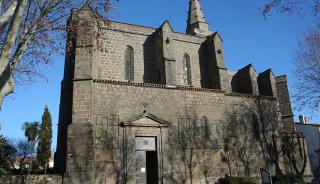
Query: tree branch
column 5, row 17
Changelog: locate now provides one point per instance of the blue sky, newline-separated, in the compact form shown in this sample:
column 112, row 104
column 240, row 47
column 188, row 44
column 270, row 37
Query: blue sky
column 248, row 38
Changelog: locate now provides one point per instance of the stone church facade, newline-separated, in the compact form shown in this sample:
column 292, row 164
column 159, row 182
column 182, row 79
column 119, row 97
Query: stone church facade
column 150, row 105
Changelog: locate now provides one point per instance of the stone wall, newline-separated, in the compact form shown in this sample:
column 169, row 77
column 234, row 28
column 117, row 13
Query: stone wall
column 110, row 63
column 34, row 179
column 127, row 100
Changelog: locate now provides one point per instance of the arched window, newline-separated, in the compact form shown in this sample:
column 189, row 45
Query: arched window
column 129, row 64
column 186, row 70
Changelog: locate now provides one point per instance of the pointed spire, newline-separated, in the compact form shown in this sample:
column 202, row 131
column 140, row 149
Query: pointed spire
column 197, row 25
column 195, row 12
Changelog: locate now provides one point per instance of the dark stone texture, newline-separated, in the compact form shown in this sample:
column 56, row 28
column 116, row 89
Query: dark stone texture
column 94, row 89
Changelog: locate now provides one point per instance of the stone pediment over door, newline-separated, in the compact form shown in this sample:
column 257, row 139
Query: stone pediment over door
column 146, row 120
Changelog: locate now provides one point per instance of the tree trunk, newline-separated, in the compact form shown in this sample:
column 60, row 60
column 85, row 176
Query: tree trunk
column 7, row 88
column 229, row 167
column 30, row 163
column 45, row 168
column 8, row 46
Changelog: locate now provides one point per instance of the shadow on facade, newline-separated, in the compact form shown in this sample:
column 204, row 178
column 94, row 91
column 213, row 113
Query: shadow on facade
column 149, row 60
column 190, row 150
column 255, row 127
column 203, row 67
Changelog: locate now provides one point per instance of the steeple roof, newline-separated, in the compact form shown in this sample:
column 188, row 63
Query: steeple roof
column 196, row 24
column 195, row 12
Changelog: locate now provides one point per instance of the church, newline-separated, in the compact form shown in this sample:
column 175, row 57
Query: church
column 143, row 105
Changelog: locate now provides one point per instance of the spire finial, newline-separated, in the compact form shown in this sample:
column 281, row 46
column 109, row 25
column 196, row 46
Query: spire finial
column 197, row 25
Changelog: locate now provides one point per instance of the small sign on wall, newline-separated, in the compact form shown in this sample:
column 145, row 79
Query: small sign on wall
column 143, row 169
column 266, row 176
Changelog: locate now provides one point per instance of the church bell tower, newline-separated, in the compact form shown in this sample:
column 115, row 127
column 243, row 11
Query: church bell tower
column 196, row 24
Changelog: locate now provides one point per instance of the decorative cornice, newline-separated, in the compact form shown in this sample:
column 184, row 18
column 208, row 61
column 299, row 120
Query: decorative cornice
column 242, row 95
column 266, row 97
column 251, row 96
column 152, row 85
column 187, row 88
column 84, row 79
column 106, row 81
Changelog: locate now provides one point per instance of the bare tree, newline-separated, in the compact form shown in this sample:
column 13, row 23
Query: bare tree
column 307, row 63
column 307, row 70
column 30, row 32
column 24, row 150
column 300, row 7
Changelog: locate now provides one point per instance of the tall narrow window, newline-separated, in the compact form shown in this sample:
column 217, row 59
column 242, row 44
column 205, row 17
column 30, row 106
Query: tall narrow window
column 129, row 64
column 186, row 70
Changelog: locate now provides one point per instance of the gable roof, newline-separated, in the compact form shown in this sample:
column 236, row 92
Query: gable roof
column 167, row 24
column 133, row 121
column 247, row 68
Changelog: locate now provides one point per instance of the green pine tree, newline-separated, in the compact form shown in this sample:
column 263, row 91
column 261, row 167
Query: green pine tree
column 45, row 140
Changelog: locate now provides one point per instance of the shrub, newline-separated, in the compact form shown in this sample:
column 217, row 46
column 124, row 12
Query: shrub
column 284, row 179
column 235, row 180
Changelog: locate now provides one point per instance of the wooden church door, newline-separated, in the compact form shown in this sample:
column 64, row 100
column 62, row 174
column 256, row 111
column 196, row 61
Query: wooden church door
column 146, row 160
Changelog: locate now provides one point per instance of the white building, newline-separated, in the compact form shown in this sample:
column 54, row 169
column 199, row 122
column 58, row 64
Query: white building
column 312, row 134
